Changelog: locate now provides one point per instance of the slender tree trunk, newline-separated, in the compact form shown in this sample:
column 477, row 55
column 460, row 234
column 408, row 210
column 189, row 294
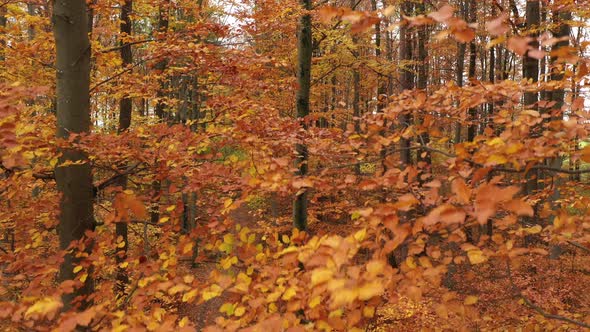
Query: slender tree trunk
column 162, row 64
column 424, row 155
column 406, row 80
column 560, row 20
column 3, row 21
column 531, row 73
column 304, row 55
column 472, row 128
column 356, row 93
column 125, row 109
column 74, row 182
column 381, row 84
column 459, row 71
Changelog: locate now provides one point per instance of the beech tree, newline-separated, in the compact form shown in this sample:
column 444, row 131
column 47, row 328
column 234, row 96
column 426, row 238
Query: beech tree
column 73, row 175
column 294, row 165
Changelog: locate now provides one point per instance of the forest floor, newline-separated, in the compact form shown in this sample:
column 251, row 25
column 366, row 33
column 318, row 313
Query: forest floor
column 558, row 287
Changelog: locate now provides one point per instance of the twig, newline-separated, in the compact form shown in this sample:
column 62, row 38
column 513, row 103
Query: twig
column 579, row 246
column 116, row 48
column 539, row 309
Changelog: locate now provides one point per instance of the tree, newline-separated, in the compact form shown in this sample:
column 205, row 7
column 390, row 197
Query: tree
column 304, row 55
column 73, row 173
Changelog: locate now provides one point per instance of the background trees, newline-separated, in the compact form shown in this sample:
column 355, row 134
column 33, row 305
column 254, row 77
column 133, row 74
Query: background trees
column 427, row 147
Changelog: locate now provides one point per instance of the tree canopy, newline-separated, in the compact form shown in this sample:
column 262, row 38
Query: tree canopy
column 294, row 165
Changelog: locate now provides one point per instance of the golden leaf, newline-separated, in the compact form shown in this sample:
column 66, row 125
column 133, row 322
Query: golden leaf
column 46, row 307
column 289, row 294
column 321, row 275
column 476, row 257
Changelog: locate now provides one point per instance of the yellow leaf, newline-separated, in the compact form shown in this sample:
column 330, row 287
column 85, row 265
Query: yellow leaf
column 315, row 301
column 321, row 275
column 187, row 248
column 164, row 220
column 375, row 267
column 183, row 322
column 370, row 290
column 360, row 235
column 226, row 263
column 344, row 296
column 84, row 277
column 496, row 159
column 240, row 311
column 142, row 282
column 496, row 141
column 120, row 328
column 177, row 289
column 171, row 208
column 78, row 269
column 471, row 300
column 336, row 313
column 285, row 239
column 227, row 308
column 410, row 262
column 289, row 294
column 227, row 202
column 121, row 244
column 211, row 292
column 124, row 265
column 44, row 307
column 368, row 312
column 476, row 257
column 188, row 297
column 534, row 230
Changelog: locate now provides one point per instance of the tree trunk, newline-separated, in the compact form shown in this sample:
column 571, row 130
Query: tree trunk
column 531, row 73
column 424, row 155
column 74, row 182
column 459, row 71
column 406, row 80
column 471, row 129
column 163, row 63
column 560, row 20
column 304, row 55
column 125, row 109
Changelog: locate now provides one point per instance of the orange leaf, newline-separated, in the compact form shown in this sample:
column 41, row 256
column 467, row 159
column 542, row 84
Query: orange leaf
column 460, row 188
column 519, row 207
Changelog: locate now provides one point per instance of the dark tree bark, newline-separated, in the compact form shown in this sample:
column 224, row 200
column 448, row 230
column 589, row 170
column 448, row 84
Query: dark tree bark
column 406, row 80
column 530, row 64
column 125, row 109
column 422, row 83
column 163, row 63
column 530, row 68
column 356, row 93
column 304, row 55
column 459, row 71
column 3, row 22
column 74, row 182
column 472, row 128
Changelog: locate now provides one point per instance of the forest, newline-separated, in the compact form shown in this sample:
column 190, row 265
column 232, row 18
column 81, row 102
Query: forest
column 294, row 165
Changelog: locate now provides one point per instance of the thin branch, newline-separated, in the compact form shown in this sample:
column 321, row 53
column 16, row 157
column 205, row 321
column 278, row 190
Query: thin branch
column 579, row 246
column 126, row 70
column 116, row 48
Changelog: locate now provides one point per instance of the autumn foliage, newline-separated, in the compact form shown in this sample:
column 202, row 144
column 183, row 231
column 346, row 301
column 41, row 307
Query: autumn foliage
column 445, row 162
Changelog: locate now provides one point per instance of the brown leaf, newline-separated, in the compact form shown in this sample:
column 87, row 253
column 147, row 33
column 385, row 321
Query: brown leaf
column 460, row 188
column 443, row 14
column 498, row 25
column 519, row 207
column 519, row 45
